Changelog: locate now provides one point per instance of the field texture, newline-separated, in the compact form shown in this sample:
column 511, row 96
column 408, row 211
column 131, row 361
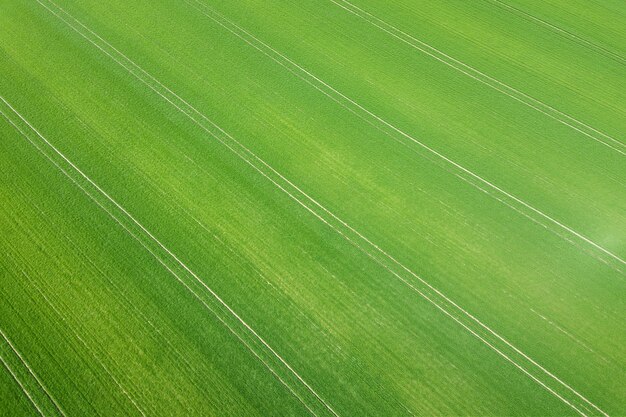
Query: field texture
column 312, row 207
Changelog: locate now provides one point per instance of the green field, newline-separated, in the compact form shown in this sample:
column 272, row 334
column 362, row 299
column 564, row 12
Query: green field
column 298, row 207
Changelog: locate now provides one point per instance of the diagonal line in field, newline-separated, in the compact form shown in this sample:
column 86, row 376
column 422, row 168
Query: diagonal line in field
column 32, row 373
column 115, row 380
column 22, row 387
column 322, row 86
column 398, row 263
column 117, row 292
column 487, row 80
column 194, row 115
column 578, row 39
column 161, row 261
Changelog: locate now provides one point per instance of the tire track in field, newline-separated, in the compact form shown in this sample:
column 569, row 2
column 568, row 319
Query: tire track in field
column 34, row 389
column 480, row 330
column 91, row 351
column 118, row 293
column 27, row 393
column 486, row 79
column 482, row 184
column 251, row 340
column 565, row 33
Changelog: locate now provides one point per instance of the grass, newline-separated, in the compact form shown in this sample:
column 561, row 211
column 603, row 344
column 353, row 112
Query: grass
column 280, row 208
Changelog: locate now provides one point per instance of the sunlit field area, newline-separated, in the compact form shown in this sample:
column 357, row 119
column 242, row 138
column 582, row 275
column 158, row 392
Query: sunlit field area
column 312, row 207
